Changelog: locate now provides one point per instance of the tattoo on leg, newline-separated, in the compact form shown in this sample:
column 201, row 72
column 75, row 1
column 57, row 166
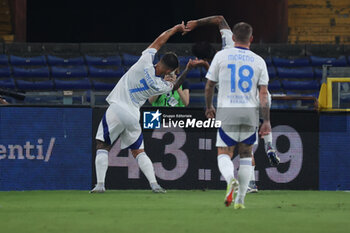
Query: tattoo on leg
column 100, row 145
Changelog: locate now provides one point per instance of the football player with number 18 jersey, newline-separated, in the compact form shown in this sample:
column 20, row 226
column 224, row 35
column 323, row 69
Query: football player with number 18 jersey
column 242, row 80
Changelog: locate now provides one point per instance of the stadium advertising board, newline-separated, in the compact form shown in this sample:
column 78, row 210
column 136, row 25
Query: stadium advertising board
column 45, row 148
column 334, row 151
column 184, row 154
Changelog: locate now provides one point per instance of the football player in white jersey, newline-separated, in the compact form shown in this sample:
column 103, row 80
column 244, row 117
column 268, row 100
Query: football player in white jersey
column 206, row 51
column 121, row 119
column 243, row 79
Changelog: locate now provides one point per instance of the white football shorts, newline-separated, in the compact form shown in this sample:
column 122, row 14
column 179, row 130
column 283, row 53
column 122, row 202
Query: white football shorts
column 230, row 135
column 119, row 122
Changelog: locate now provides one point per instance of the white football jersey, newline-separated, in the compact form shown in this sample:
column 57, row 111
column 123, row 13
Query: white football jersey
column 139, row 83
column 226, row 39
column 239, row 72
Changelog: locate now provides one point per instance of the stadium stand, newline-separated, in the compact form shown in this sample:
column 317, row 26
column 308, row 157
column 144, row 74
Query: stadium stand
column 5, row 72
column 103, row 61
column 96, row 68
column 7, row 83
column 60, row 61
column 27, row 61
column 62, row 49
column 42, row 72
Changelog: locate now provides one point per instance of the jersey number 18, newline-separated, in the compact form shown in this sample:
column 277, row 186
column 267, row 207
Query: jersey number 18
column 242, row 77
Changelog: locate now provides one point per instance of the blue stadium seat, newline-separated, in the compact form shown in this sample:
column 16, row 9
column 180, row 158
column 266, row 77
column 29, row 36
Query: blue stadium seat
column 197, row 86
column 103, row 61
column 129, row 60
column 5, row 72
column 194, row 73
column 106, row 73
column 82, row 84
column 36, row 85
column 292, row 93
column 319, row 61
column 30, row 61
column 203, row 72
column 272, row 72
column 283, row 62
column 4, row 60
column 59, row 61
column 313, row 94
column 302, row 72
column 102, row 85
column 197, row 100
column 275, row 85
column 300, row 85
column 183, row 60
column 268, row 61
column 42, row 72
column 318, row 73
column 67, row 72
column 7, row 83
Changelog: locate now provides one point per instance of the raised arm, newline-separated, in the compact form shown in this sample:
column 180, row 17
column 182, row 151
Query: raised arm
column 217, row 20
column 209, row 94
column 164, row 37
column 184, row 95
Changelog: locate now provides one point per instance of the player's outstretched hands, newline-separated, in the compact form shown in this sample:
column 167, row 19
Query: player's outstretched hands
column 210, row 112
column 181, row 28
column 192, row 63
column 190, row 25
column 265, row 128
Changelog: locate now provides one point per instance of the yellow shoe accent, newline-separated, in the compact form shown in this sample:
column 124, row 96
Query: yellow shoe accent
column 238, row 206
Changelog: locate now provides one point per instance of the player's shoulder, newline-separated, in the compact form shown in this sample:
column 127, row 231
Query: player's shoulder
column 150, row 51
column 257, row 57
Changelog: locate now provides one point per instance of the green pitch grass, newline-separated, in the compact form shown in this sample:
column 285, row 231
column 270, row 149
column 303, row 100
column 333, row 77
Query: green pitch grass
column 177, row 211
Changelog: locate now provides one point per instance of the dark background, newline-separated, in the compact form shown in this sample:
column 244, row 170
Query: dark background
column 143, row 21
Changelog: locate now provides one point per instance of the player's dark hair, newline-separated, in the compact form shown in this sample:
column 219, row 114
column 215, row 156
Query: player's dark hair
column 203, row 50
column 242, row 32
column 170, row 60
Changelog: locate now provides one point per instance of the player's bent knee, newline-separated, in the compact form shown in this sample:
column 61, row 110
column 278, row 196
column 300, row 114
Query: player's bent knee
column 245, row 151
column 136, row 152
column 226, row 150
column 100, row 145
